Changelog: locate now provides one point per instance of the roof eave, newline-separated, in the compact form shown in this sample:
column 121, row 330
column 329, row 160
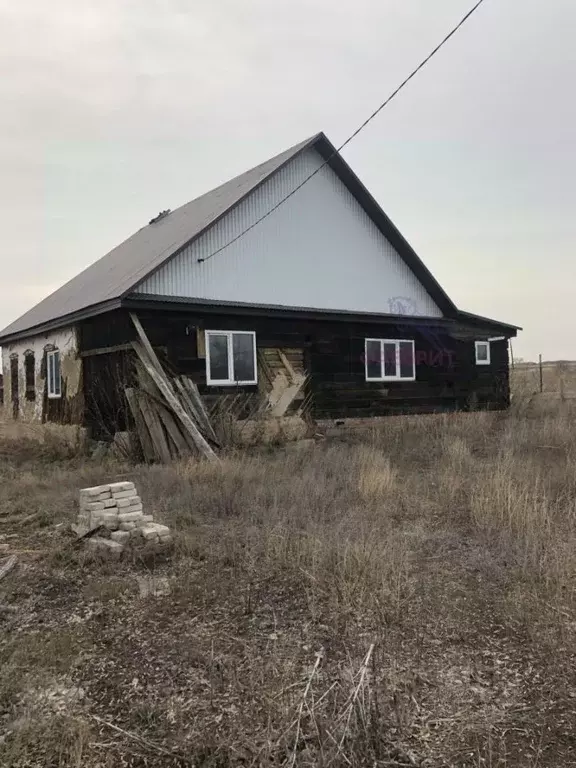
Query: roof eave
column 185, row 304
column 506, row 328
column 61, row 322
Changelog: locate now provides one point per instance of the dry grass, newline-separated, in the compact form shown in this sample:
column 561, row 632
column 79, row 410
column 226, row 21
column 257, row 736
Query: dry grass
column 405, row 596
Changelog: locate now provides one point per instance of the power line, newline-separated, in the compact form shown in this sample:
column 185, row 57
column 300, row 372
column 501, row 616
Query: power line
column 368, row 120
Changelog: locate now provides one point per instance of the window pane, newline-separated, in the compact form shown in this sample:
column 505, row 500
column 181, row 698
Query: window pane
column 218, row 351
column 57, row 376
column 373, row 362
column 50, row 361
column 389, row 359
column 56, row 373
column 406, row 360
column 243, row 354
column 482, row 352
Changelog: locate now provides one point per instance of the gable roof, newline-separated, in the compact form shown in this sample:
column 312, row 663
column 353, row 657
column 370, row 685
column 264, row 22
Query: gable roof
column 103, row 285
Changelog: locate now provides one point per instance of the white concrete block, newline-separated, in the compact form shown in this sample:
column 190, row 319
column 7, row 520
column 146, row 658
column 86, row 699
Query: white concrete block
column 161, row 530
column 149, row 531
column 129, row 517
column 123, row 503
column 124, row 495
column 96, row 490
column 96, row 519
column 110, row 520
column 91, row 506
column 127, row 526
column 120, row 536
column 123, row 486
column 136, row 501
column 109, row 503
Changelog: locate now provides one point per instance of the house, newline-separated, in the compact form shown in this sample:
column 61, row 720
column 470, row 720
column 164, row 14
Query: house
column 323, row 298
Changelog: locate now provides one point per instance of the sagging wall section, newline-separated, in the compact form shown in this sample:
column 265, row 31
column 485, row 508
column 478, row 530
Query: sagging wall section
column 25, row 379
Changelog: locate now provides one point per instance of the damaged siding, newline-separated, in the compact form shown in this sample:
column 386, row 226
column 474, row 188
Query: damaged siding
column 33, row 404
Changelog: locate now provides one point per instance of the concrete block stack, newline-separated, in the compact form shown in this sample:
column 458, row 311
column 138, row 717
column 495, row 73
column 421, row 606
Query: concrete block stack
column 118, row 511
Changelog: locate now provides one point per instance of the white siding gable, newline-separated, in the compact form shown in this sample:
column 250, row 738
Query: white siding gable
column 319, row 250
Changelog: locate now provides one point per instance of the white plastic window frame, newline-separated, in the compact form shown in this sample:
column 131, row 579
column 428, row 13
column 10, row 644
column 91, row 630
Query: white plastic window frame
column 230, row 381
column 51, row 357
column 478, row 345
column 397, row 376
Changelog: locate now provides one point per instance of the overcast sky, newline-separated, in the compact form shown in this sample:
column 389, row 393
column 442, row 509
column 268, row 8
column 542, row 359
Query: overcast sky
column 115, row 109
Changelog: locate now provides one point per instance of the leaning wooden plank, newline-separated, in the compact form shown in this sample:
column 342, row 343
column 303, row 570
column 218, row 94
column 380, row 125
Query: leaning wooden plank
column 287, row 364
column 154, row 425
column 140, row 423
column 191, row 405
column 188, row 405
column 182, row 447
column 146, row 343
column 172, row 401
column 158, row 403
column 7, row 567
column 199, row 407
column 287, row 396
column 185, row 398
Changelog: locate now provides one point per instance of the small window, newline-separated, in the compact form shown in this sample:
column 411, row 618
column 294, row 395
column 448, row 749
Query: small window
column 390, row 360
column 30, row 375
column 482, row 353
column 53, row 373
column 231, row 357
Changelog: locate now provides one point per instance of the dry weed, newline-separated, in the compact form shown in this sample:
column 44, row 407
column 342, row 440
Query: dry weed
column 400, row 597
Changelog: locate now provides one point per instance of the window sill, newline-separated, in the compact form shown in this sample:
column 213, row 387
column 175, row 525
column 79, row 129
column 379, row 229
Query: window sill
column 391, row 378
column 231, row 383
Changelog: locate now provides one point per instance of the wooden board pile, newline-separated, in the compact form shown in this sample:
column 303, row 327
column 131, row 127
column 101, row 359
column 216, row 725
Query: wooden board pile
column 170, row 418
column 115, row 512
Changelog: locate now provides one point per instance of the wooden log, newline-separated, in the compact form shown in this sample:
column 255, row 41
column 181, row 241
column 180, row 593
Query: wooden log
column 163, row 384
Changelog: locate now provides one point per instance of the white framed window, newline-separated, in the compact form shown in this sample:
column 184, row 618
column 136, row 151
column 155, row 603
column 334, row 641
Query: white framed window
column 482, row 352
column 54, row 375
column 231, row 358
column 389, row 360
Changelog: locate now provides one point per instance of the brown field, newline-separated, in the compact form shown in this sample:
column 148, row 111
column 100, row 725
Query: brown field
column 399, row 597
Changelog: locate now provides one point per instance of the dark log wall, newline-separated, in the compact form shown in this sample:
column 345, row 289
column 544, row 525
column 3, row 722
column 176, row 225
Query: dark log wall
column 447, row 377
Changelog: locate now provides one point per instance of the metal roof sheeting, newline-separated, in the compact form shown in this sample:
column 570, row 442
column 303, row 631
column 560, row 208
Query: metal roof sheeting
column 122, row 268
column 107, row 284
